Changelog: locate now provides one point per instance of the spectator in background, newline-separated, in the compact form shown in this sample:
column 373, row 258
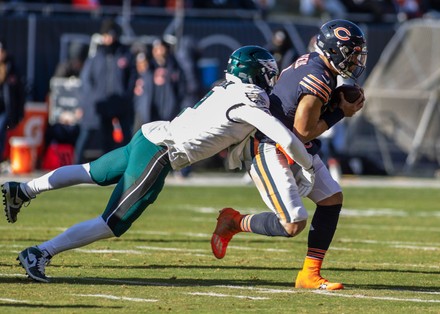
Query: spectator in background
column 168, row 82
column 334, row 8
column 264, row 6
column 65, row 130
column 408, row 9
column 376, row 8
column 75, row 61
column 187, row 56
column 12, row 96
column 224, row 4
column 281, row 47
column 108, row 79
column 143, row 90
column 169, row 87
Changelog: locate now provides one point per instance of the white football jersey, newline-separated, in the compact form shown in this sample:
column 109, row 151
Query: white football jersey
column 212, row 125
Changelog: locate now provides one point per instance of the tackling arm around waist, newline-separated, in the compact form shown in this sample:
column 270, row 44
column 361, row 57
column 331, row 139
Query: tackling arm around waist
column 291, row 145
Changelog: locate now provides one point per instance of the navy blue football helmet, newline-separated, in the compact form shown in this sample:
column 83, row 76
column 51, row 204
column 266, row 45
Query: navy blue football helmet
column 343, row 43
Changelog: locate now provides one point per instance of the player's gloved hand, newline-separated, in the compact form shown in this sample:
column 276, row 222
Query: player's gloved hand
column 305, row 180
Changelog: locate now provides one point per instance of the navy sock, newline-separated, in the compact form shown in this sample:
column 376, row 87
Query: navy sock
column 322, row 229
column 268, row 224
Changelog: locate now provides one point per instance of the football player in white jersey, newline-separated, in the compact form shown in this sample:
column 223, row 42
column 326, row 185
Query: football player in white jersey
column 224, row 118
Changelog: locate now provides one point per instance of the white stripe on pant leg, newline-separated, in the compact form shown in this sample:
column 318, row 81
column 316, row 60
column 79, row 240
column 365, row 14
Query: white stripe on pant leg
column 137, row 187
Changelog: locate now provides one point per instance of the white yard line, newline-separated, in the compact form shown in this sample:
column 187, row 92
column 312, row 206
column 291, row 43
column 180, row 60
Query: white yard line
column 230, row 179
column 339, row 294
column 132, row 282
column 335, row 248
column 113, row 297
column 249, row 288
column 393, row 243
column 193, row 252
column 32, row 228
column 166, row 233
column 373, row 212
column 143, row 249
column 388, row 227
column 15, row 301
column 341, row 225
column 361, row 296
column 387, row 212
column 13, row 275
column 258, row 289
column 345, row 212
column 106, row 251
column 393, row 265
column 413, row 247
column 202, row 252
column 171, row 249
column 220, row 295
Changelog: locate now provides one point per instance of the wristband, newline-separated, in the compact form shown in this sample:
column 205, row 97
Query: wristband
column 333, row 117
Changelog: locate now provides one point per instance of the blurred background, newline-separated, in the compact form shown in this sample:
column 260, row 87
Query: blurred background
column 169, row 53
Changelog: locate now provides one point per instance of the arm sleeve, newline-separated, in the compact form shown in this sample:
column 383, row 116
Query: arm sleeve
column 274, row 129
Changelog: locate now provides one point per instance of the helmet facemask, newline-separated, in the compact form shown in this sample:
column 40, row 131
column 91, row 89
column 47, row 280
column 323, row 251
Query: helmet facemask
column 353, row 63
column 266, row 77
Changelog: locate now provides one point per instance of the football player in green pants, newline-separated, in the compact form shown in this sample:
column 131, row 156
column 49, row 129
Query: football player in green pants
column 225, row 118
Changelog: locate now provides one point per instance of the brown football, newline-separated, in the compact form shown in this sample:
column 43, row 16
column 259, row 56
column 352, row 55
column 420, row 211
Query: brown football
column 351, row 93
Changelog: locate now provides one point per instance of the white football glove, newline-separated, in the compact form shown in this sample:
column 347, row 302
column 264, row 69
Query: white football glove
column 305, row 178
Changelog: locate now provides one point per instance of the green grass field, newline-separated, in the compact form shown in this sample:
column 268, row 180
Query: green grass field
column 386, row 251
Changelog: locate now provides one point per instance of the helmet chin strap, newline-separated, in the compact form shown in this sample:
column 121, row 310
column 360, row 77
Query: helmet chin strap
column 331, row 64
column 332, row 67
column 341, row 73
column 324, row 56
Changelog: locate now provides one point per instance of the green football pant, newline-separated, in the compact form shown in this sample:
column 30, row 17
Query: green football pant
column 139, row 170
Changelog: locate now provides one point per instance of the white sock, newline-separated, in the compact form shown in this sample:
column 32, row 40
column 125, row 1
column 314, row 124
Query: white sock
column 58, row 178
column 77, row 236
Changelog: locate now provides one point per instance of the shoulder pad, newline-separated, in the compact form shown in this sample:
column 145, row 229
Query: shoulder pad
column 257, row 96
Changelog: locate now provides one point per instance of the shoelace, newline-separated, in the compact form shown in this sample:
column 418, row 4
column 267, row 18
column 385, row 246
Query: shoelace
column 26, row 204
column 323, row 286
column 41, row 264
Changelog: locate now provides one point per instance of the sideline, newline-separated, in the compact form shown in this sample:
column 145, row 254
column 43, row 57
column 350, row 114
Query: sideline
column 240, row 179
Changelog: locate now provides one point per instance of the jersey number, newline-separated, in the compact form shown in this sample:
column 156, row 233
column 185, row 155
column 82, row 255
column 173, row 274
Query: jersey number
column 302, row 61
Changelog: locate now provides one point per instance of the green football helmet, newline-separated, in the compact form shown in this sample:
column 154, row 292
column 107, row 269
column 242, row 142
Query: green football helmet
column 253, row 65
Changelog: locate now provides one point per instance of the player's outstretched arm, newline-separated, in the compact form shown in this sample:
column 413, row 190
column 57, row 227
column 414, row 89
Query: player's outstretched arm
column 290, row 144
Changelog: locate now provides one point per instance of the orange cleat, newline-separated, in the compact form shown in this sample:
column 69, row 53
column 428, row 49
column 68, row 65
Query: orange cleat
column 306, row 280
column 228, row 224
column 310, row 278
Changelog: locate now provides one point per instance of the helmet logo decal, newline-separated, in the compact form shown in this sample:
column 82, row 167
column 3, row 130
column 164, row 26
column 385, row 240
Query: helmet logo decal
column 342, row 33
